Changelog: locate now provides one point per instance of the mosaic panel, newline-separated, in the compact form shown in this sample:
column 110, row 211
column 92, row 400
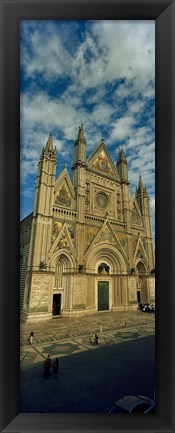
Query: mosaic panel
column 63, row 196
column 102, row 164
column 90, row 234
column 57, row 226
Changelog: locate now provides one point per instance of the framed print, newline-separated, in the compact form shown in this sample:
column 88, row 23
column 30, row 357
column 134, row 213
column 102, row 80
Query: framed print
column 16, row 19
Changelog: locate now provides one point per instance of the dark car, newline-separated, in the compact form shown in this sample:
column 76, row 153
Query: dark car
column 132, row 404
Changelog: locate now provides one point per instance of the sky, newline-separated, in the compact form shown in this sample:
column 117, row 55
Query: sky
column 97, row 73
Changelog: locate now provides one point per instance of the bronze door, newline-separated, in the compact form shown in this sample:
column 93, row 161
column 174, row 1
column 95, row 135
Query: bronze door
column 103, row 295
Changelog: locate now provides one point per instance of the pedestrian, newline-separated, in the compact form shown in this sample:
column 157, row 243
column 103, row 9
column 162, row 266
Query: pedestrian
column 31, row 337
column 55, row 368
column 92, row 340
column 96, row 339
column 47, row 366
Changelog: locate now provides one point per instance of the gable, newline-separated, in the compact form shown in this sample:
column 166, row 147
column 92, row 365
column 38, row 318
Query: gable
column 63, row 240
column 106, row 235
column 64, row 192
column 102, row 164
column 140, row 251
column 101, row 161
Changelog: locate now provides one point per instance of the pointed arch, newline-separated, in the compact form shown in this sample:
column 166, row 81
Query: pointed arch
column 141, row 267
column 65, row 256
column 108, row 254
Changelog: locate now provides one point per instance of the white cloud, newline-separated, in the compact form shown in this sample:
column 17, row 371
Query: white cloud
column 130, row 48
column 101, row 113
column 139, row 137
column 103, row 79
column 110, row 50
column 122, row 128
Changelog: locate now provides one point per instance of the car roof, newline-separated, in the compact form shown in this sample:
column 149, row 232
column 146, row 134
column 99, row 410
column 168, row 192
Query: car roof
column 130, row 401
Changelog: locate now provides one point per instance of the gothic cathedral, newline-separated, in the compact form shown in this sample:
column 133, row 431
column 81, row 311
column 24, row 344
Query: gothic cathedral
column 88, row 245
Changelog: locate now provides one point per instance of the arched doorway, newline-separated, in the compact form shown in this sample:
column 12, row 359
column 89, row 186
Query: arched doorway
column 62, row 265
column 108, row 267
column 103, row 288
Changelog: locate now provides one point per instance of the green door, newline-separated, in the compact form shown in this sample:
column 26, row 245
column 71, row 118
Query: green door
column 103, row 295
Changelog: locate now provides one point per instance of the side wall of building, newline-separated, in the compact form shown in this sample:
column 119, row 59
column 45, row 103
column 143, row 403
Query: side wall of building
column 25, row 237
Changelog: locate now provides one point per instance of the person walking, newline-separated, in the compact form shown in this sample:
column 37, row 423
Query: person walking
column 47, row 367
column 96, row 339
column 55, row 368
column 31, row 338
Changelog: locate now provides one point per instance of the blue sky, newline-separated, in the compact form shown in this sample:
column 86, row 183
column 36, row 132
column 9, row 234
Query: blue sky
column 97, row 73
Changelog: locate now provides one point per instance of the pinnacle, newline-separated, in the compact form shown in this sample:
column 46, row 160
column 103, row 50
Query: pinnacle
column 140, row 184
column 121, row 155
column 49, row 145
column 81, row 137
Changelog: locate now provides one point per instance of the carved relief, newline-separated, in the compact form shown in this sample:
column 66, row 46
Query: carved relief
column 118, row 205
column 87, row 197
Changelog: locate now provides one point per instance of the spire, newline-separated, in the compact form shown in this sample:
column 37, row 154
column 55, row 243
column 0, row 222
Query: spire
column 140, row 184
column 141, row 189
column 49, row 144
column 80, row 136
column 122, row 165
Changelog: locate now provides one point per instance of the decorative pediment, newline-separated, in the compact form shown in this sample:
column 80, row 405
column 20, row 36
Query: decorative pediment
column 63, row 240
column 107, row 235
column 140, row 251
column 64, row 192
column 101, row 161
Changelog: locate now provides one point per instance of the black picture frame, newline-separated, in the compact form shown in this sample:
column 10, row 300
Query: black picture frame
column 163, row 12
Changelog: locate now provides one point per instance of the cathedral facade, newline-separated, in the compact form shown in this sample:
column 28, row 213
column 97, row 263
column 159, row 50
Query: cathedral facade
column 88, row 245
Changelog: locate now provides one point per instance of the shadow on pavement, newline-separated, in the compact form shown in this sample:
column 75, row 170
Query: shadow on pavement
column 91, row 381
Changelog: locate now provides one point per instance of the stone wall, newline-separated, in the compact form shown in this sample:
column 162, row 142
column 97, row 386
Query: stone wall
column 90, row 302
column 40, row 298
column 25, row 236
column 132, row 289
column 79, row 292
column 151, row 285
